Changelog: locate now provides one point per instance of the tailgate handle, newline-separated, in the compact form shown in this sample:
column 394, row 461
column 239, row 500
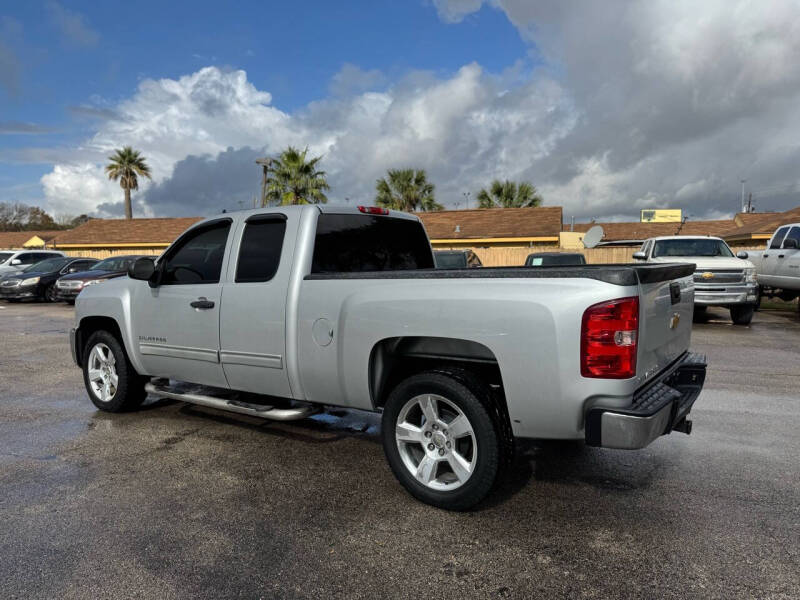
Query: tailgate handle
column 675, row 292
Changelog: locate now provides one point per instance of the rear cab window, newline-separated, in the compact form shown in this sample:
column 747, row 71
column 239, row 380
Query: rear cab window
column 348, row 243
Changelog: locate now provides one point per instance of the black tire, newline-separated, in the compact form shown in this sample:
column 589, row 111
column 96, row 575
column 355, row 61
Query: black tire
column 700, row 314
column 49, row 294
column 129, row 392
column 473, row 398
column 757, row 305
column 742, row 314
column 70, row 302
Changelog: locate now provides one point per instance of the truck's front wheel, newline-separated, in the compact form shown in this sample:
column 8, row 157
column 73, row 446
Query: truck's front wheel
column 742, row 314
column 111, row 381
column 441, row 440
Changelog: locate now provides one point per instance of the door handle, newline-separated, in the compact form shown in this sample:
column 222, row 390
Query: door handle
column 781, row 255
column 766, row 255
column 202, row 303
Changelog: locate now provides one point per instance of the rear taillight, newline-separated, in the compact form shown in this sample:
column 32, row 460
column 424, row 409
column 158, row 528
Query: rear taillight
column 373, row 210
column 609, row 336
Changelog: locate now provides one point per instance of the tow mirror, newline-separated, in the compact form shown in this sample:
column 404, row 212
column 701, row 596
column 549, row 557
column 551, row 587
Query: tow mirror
column 144, row 269
column 742, row 254
column 790, row 244
column 639, row 256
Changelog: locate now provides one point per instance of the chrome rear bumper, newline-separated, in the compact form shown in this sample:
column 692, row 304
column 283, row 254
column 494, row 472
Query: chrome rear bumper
column 656, row 410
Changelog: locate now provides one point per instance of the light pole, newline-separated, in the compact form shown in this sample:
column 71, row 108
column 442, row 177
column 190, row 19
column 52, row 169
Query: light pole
column 743, row 182
column 466, row 199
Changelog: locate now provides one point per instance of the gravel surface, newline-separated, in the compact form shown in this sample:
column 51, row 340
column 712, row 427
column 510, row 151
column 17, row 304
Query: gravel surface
column 176, row 501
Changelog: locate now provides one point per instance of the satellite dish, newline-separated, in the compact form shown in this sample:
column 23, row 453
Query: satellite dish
column 592, row 237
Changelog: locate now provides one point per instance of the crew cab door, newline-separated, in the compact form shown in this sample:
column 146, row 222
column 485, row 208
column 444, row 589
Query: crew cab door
column 176, row 323
column 787, row 272
column 253, row 318
column 769, row 262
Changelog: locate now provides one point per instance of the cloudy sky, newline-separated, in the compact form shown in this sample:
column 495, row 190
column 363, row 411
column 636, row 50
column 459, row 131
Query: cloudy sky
column 607, row 107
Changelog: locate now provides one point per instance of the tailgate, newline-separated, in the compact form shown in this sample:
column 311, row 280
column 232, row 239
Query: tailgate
column 666, row 310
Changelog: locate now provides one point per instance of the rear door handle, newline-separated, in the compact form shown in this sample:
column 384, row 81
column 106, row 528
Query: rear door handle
column 202, row 303
column 781, row 255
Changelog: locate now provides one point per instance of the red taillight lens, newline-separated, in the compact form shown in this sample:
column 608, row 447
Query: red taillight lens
column 609, row 337
column 373, row 210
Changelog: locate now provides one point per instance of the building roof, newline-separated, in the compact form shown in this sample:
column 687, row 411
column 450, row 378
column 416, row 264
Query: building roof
column 16, row 239
column 636, row 232
column 117, row 232
column 763, row 225
column 493, row 223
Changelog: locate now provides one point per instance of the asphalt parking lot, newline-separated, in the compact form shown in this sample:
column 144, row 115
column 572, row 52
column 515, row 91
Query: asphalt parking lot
column 178, row 501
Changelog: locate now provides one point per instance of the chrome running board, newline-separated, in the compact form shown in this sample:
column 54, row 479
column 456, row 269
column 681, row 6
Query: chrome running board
column 232, row 405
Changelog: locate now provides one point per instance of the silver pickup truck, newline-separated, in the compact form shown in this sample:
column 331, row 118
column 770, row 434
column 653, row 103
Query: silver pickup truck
column 778, row 267
column 278, row 313
column 720, row 278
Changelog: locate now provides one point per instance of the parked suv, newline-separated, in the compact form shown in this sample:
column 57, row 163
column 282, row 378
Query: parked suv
column 69, row 286
column 13, row 261
column 38, row 281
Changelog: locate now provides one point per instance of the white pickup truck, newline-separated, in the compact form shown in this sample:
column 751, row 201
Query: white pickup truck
column 720, row 278
column 778, row 267
column 277, row 313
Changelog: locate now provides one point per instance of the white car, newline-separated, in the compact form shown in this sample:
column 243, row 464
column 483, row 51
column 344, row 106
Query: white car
column 13, row 261
column 720, row 278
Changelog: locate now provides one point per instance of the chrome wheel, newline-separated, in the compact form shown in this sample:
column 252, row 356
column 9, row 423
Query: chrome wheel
column 436, row 442
column 102, row 372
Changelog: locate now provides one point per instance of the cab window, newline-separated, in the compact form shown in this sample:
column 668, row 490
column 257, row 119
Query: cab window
column 794, row 234
column 260, row 250
column 197, row 258
column 778, row 237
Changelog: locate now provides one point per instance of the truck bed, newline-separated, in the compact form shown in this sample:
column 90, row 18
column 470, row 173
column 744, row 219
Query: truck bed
column 619, row 274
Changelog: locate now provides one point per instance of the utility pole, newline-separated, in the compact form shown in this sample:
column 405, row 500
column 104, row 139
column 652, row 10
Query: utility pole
column 743, row 206
column 265, row 163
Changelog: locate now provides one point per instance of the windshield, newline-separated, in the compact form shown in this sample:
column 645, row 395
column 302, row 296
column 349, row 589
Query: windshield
column 114, row 264
column 48, row 266
column 4, row 256
column 555, row 260
column 450, row 260
column 691, row 247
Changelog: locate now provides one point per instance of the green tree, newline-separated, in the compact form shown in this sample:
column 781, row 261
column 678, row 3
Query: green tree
column 508, row 194
column 127, row 165
column 291, row 179
column 406, row 189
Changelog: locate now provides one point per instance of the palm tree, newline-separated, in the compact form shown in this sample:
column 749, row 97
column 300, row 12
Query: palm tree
column 507, row 194
column 125, row 165
column 291, row 179
column 407, row 190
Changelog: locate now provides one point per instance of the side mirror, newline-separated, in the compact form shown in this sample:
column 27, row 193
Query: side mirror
column 16, row 262
column 639, row 255
column 742, row 254
column 143, row 269
column 790, row 244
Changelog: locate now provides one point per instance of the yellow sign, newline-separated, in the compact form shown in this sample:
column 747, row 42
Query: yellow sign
column 661, row 215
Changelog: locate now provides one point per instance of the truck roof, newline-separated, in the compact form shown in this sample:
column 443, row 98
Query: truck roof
column 339, row 209
column 685, row 237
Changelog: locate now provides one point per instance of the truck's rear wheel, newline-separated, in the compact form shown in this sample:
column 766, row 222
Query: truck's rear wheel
column 441, row 440
column 742, row 314
column 111, row 381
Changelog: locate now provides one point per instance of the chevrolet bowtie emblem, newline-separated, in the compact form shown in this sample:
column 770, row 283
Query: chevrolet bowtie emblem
column 673, row 322
column 707, row 275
